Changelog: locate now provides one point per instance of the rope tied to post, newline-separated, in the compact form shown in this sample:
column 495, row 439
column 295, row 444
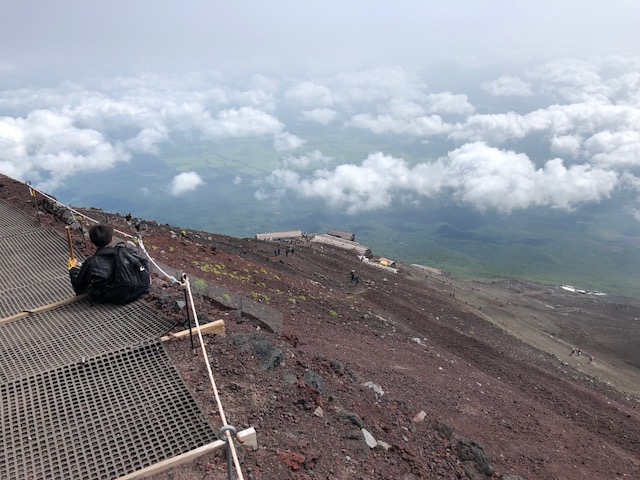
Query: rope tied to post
column 226, row 429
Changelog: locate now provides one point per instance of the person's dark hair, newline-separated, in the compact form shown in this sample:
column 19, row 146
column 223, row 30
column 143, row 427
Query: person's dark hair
column 101, row 235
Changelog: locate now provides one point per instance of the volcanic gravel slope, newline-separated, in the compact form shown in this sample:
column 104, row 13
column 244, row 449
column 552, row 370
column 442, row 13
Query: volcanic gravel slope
column 492, row 405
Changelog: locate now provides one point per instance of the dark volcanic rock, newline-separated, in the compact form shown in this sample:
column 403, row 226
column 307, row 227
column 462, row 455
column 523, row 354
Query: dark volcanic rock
column 474, row 460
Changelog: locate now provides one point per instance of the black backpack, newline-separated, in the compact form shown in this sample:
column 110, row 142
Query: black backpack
column 130, row 280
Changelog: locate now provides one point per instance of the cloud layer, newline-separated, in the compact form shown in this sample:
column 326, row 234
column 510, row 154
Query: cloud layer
column 576, row 142
column 485, row 177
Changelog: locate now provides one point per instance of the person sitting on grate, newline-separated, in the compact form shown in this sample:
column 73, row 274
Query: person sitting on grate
column 114, row 274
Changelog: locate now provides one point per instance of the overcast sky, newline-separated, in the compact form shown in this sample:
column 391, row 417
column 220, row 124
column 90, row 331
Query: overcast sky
column 122, row 37
column 85, row 85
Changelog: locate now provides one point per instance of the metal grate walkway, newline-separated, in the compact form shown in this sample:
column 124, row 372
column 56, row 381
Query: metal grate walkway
column 14, row 221
column 67, row 334
column 102, row 419
column 85, row 390
column 33, row 263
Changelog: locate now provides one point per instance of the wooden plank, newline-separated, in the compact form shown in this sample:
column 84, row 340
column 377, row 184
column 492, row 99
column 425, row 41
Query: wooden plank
column 174, row 461
column 188, row 456
column 217, row 328
column 17, row 316
column 43, row 308
column 51, row 306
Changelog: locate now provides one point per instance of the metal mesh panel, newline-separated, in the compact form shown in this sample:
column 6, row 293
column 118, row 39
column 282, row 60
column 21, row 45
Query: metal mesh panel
column 27, row 298
column 82, row 393
column 102, row 419
column 14, row 221
column 33, row 270
column 32, row 258
column 67, row 334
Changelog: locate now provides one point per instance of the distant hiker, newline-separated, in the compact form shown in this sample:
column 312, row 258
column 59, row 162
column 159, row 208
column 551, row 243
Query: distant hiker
column 353, row 275
column 292, row 251
column 578, row 352
column 275, row 252
column 286, row 251
column 573, row 352
column 114, row 274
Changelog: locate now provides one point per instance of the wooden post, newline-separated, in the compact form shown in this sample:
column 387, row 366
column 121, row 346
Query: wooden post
column 216, row 327
column 71, row 255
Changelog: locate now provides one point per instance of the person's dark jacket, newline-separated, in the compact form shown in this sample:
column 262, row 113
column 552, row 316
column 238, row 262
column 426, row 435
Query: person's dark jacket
column 97, row 268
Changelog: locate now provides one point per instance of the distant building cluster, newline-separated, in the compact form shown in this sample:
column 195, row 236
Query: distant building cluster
column 336, row 238
column 571, row 288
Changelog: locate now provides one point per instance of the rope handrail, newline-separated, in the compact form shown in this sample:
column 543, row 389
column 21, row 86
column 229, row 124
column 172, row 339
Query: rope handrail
column 170, row 277
column 138, row 239
column 75, row 212
column 226, row 428
column 185, row 282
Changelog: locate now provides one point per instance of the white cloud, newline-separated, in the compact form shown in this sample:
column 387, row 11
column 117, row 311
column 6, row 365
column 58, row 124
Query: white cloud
column 490, row 178
column 323, row 116
column 571, row 79
column 577, row 119
column 614, row 149
column 314, row 159
column 626, row 88
column 358, row 188
column 242, row 122
column 260, row 99
column 309, row 94
column 423, row 126
column 494, row 128
column 147, row 140
column 630, row 180
column 401, row 117
column 46, row 148
column 264, row 83
column 77, row 128
column 475, row 174
column 508, row 86
column 448, row 103
column 566, row 145
column 287, row 141
column 185, row 182
column 594, row 126
column 378, row 84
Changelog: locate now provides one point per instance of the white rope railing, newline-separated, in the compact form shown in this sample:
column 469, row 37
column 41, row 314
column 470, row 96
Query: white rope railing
column 137, row 239
column 185, row 284
column 170, row 277
column 75, row 212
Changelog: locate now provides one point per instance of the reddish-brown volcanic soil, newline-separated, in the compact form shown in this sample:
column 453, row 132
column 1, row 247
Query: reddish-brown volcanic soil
column 486, row 363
